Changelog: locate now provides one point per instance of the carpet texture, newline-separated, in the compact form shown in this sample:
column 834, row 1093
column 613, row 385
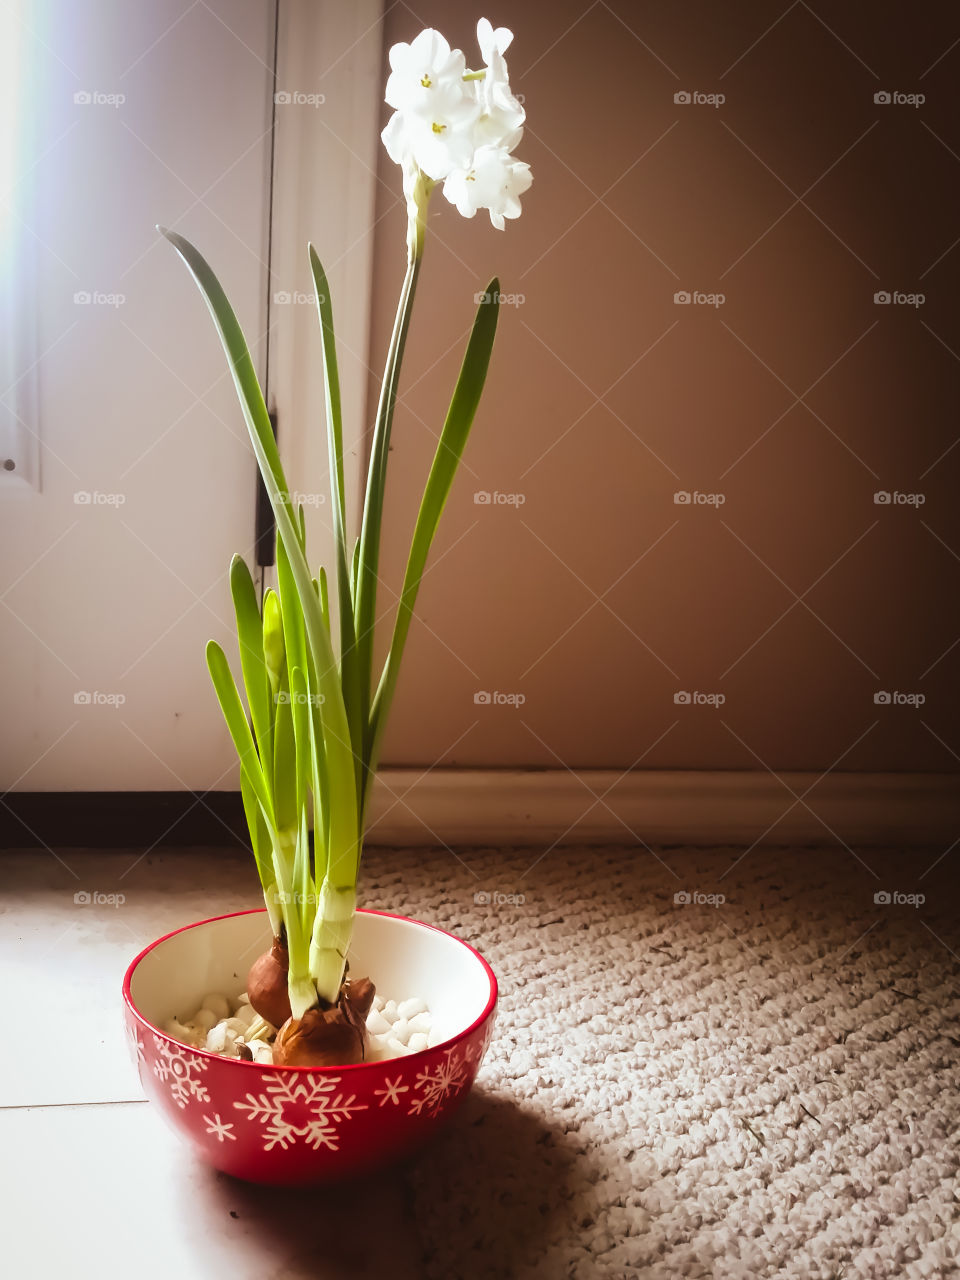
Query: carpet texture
column 683, row 1087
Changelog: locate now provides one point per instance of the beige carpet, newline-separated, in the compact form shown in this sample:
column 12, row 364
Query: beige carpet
column 763, row 1086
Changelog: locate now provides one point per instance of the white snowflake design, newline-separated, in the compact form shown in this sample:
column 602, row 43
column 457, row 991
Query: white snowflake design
column 438, row 1085
column 136, row 1044
column 309, row 1101
column 176, row 1066
column 391, row 1091
column 219, row 1128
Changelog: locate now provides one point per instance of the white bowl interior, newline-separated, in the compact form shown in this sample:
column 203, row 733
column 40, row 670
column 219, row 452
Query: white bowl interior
column 404, row 959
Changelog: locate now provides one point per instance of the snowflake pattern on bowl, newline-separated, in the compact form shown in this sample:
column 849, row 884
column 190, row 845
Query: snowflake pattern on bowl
column 307, row 1100
column 175, row 1066
column 437, row 1085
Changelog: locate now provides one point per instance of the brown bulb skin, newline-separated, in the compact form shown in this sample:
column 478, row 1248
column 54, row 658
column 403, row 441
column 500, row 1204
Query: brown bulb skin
column 267, row 985
column 331, row 1037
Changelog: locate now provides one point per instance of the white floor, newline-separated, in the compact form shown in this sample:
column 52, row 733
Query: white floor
column 92, row 1182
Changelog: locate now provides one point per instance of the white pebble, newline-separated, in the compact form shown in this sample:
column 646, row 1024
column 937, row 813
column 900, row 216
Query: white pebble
column 410, row 1008
column 218, row 1003
column 401, row 1030
column 378, row 1003
column 205, row 1018
column 377, row 1024
column 417, row 1043
column 396, row 1048
column 262, row 1053
column 179, row 1031
column 390, row 1011
column 245, row 1014
column 236, row 1025
column 242, row 998
column 421, row 1023
column 217, row 1038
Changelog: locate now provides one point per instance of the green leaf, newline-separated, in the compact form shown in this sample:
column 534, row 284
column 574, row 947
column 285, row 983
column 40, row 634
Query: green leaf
column 285, row 763
column 250, row 641
column 344, row 833
column 351, row 675
column 450, row 447
column 236, row 719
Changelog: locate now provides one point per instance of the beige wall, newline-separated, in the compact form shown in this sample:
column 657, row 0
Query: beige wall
column 600, row 598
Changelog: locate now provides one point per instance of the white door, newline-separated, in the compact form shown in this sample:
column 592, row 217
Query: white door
column 115, row 553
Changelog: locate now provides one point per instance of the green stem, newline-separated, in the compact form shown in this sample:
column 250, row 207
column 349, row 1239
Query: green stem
column 370, row 530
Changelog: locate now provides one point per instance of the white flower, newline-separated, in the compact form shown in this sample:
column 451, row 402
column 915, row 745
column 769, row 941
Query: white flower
column 456, row 127
column 426, row 76
column 435, row 107
column 494, row 181
column 501, row 114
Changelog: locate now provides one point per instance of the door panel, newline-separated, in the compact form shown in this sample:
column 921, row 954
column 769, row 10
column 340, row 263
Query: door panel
column 114, row 573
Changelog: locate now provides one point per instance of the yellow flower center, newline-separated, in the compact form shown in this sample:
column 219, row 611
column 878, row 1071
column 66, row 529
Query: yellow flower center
column 426, row 81
column 438, row 128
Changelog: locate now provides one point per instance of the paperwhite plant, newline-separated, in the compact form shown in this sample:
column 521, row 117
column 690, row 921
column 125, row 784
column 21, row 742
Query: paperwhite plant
column 317, row 697
column 456, row 126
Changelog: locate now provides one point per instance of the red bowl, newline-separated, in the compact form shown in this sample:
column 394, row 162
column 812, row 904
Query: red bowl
column 298, row 1125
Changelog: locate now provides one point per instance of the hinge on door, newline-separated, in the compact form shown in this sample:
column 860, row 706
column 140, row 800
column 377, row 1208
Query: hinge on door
column 266, row 525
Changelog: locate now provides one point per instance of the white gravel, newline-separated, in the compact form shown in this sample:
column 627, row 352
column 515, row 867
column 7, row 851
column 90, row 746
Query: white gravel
column 221, row 1025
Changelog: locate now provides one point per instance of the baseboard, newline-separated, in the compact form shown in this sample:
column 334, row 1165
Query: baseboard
column 474, row 807
column 470, row 807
